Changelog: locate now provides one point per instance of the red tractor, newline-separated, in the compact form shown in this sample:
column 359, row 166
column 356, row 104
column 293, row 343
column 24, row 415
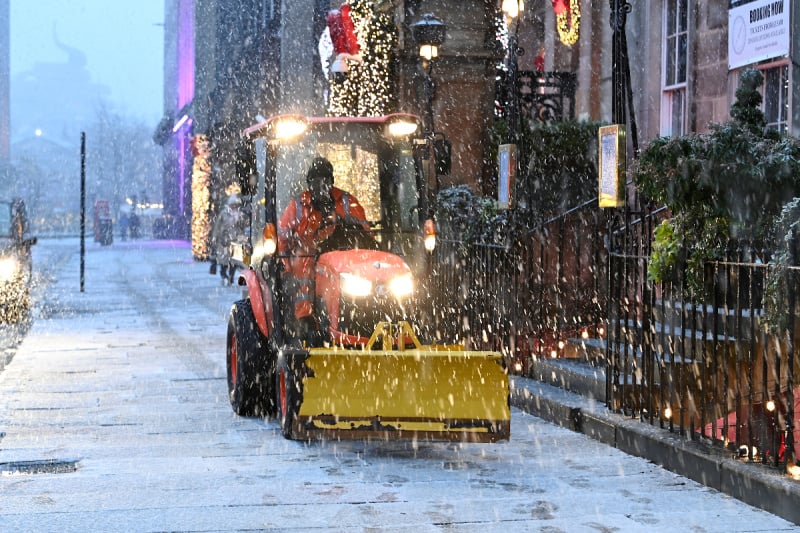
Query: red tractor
column 368, row 375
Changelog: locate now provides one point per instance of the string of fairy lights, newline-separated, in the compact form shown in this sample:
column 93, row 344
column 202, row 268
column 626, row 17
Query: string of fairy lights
column 367, row 90
column 201, row 197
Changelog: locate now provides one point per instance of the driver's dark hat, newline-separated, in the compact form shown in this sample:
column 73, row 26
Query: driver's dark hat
column 320, row 168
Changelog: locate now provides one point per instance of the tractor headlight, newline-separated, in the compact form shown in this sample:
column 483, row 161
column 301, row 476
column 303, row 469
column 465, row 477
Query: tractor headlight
column 270, row 239
column 353, row 285
column 288, row 127
column 8, row 269
column 401, row 128
column 401, row 125
column 402, row 286
column 430, row 235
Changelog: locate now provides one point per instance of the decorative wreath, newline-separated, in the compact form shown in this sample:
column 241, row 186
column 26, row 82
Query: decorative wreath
column 568, row 20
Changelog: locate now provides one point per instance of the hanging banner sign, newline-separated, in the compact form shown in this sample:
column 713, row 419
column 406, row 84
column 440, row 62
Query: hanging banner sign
column 507, row 163
column 757, row 30
column 611, row 165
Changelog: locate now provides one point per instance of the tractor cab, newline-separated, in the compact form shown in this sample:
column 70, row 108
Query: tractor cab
column 363, row 275
column 373, row 160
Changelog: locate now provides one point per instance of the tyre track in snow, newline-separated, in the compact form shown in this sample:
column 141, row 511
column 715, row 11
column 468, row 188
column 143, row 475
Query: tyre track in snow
column 157, row 303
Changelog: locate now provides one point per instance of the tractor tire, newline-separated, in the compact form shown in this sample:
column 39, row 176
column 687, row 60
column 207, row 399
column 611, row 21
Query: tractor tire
column 287, row 398
column 250, row 364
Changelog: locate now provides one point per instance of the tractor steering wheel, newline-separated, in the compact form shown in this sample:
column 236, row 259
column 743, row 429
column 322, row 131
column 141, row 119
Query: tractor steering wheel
column 348, row 233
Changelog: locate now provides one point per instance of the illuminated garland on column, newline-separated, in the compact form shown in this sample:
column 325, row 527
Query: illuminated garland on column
column 367, row 90
column 201, row 196
column 568, row 20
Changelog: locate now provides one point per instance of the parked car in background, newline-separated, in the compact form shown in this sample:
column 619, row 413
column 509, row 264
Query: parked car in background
column 16, row 264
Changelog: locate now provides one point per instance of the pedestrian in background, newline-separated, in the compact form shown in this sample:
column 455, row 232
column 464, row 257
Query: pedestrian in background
column 123, row 226
column 228, row 228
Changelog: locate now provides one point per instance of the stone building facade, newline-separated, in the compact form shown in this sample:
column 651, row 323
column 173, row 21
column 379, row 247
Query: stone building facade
column 682, row 75
column 255, row 58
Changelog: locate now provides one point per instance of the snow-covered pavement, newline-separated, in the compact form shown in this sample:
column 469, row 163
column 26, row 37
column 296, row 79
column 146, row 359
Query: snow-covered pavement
column 114, row 417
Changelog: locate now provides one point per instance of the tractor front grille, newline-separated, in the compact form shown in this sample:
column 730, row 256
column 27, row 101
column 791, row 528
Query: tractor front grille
column 359, row 316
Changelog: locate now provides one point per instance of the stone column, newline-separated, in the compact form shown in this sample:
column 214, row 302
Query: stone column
column 464, row 75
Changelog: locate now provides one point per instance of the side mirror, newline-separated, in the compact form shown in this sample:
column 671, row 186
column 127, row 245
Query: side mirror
column 442, row 151
column 246, row 167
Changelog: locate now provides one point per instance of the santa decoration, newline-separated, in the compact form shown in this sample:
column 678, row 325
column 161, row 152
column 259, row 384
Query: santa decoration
column 560, row 6
column 343, row 38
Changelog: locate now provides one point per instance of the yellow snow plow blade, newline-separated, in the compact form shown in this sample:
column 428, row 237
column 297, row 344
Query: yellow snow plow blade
column 425, row 392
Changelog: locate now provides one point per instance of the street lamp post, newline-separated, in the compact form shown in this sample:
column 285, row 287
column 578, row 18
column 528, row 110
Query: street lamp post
column 622, row 93
column 508, row 154
column 429, row 33
column 512, row 10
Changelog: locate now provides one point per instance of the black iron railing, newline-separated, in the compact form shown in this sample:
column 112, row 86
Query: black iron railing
column 704, row 367
column 543, row 97
column 530, row 298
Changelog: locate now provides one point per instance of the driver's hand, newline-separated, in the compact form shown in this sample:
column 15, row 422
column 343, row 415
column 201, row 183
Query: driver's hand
column 350, row 219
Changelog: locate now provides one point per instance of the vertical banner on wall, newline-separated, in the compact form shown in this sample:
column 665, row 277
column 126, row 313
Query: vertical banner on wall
column 507, row 163
column 611, row 166
column 757, row 30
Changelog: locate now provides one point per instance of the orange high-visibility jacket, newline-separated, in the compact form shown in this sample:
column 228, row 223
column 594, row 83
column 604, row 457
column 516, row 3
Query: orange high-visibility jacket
column 299, row 233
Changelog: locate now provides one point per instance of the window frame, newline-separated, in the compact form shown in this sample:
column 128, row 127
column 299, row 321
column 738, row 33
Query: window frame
column 674, row 66
column 783, row 124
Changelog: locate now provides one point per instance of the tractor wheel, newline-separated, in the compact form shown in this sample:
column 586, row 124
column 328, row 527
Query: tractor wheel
column 287, row 397
column 250, row 364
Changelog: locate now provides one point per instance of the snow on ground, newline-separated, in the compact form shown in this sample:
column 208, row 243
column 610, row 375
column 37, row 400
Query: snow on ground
column 118, row 396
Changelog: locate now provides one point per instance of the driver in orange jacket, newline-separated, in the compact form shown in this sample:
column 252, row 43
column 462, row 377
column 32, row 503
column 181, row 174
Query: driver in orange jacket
column 308, row 220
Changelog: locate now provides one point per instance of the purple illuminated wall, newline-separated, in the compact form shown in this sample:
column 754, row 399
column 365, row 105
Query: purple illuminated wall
column 185, row 52
column 185, row 92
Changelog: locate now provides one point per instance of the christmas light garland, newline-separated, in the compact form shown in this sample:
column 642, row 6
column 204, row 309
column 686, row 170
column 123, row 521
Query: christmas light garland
column 201, row 196
column 568, row 20
column 367, row 89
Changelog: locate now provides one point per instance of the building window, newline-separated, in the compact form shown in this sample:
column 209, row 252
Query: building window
column 775, row 96
column 676, row 35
